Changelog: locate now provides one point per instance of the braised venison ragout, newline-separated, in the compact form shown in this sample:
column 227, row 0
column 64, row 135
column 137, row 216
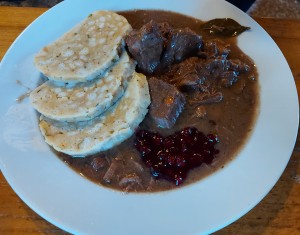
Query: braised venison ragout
column 209, row 84
column 204, row 101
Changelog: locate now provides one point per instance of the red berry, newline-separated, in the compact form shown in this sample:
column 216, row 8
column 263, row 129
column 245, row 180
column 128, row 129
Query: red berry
column 157, row 139
column 173, row 156
column 180, row 161
column 171, row 160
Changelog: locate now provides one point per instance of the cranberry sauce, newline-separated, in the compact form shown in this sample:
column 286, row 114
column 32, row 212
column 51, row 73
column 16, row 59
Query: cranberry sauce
column 173, row 156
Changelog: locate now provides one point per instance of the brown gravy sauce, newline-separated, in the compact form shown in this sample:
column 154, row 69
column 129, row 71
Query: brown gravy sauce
column 232, row 119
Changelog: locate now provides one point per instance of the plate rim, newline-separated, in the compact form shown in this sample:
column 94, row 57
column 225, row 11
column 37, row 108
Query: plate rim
column 21, row 195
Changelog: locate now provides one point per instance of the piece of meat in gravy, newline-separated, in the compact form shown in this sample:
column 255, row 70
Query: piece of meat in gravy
column 182, row 43
column 166, row 103
column 112, row 170
column 130, row 179
column 155, row 46
column 188, row 74
column 165, row 30
column 99, row 162
column 205, row 77
column 202, row 74
column 215, row 48
column 145, row 46
column 201, row 98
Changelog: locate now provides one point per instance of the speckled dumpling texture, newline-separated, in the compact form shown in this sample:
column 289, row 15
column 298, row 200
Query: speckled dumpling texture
column 86, row 100
column 85, row 51
column 105, row 131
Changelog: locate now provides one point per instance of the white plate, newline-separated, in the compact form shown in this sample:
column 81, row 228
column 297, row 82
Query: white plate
column 79, row 206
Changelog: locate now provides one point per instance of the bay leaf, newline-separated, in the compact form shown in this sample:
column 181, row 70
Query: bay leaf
column 225, row 27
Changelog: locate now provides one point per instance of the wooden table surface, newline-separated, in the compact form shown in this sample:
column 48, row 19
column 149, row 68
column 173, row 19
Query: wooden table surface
column 278, row 213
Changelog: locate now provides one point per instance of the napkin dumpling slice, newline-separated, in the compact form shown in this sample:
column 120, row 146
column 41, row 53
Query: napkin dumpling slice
column 85, row 100
column 85, row 51
column 105, row 131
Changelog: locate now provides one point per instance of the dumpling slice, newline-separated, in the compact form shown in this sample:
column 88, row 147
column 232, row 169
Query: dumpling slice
column 85, row 51
column 105, row 131
column 85, row 100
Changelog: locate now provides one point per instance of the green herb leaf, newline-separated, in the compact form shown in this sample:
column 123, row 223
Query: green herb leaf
column 225, row 27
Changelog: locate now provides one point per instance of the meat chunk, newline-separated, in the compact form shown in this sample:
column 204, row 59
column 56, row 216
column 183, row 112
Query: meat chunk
column 205, row 76
column 214, row 49
column 98, row 163
column 188, row 74
column 238, row 66
column 207, row 98
column 167, row 103
column 182, row 43
column 111, row 171
column 217, row 65
column 146, row 46
column 130, row 179
column 165, row 30
column 228, row 78
column 157, row 45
